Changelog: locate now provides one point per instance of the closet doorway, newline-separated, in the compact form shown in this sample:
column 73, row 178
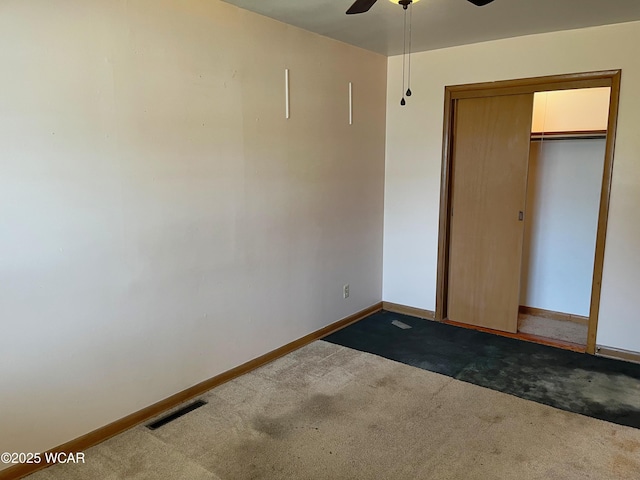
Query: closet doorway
column 498, row 216
column 566, row 161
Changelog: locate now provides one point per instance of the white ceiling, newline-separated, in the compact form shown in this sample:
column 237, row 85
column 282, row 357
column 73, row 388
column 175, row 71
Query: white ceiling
column 442, row 23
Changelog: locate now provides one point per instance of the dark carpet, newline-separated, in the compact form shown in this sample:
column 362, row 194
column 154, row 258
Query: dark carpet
column 585, row 384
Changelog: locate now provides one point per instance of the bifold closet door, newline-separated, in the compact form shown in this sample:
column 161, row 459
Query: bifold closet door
column 489, row 181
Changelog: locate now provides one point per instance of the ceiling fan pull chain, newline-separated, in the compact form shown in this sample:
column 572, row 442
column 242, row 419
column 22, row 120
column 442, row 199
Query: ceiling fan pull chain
column 409, row 76
column 404, row 55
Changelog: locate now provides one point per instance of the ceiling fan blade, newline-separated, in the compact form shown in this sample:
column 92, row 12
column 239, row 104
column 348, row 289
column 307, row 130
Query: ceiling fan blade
column 360, row 6
column 480, row 3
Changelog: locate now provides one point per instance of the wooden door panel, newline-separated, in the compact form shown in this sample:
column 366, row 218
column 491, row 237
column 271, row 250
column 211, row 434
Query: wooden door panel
column 490, row 160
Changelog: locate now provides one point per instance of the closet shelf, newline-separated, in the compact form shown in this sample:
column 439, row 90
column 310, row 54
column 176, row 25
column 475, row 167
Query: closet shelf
column 584, row 134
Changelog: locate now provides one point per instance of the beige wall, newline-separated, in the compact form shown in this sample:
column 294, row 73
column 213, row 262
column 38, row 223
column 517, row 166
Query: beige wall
column 414, row 152
column 161, row 221
column 568, row 110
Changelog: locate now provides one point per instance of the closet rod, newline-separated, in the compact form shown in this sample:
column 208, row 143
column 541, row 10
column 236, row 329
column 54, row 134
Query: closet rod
column 585, row 134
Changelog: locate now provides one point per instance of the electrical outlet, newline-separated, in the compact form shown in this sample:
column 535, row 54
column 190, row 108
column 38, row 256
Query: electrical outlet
column 345, row 291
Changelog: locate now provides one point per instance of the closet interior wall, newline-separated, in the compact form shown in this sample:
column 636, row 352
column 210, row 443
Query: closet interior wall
column 563, row 193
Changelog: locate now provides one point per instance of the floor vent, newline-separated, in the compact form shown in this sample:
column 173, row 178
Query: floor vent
column 177, row 414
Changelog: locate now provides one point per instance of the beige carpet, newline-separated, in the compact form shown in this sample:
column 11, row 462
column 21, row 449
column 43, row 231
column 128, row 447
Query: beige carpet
column 329, row 412
column 550, row 328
